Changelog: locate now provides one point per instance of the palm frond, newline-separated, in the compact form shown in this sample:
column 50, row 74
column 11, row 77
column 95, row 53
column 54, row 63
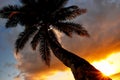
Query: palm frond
column 53, row 37
column 69, row 13
column 26, row 19
column 24, row 37
column 69, row 28
column 6, row 11
column 13, row 21
column 36, row 40
column 41, row 40
column 44, row 50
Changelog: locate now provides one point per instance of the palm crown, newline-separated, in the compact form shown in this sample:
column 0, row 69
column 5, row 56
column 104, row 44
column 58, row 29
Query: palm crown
column 38, row 16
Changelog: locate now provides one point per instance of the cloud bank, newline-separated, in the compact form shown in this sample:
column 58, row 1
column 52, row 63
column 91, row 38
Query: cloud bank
column 102, row 21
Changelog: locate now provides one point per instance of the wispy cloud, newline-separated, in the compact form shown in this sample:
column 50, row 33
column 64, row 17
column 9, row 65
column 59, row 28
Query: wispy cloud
column 17, row 77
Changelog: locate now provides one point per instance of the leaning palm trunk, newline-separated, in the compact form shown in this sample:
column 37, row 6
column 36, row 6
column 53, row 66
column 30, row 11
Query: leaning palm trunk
column 81, row 69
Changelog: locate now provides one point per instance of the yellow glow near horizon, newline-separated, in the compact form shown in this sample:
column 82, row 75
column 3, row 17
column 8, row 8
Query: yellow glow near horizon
column 105, row 67
column 109, row 65
column 61, row 75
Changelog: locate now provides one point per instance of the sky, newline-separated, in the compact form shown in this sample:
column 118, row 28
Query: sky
column 102, row 21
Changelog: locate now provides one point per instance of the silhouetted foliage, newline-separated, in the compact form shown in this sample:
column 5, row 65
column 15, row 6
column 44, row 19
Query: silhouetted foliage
column 38, row 16
column 24, row 37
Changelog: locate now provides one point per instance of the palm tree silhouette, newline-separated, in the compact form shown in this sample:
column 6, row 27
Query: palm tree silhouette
column 40, row 18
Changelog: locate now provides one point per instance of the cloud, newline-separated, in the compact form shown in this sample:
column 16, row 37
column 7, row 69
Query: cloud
column 17, row 77
column 101, row 21
column 31, row 65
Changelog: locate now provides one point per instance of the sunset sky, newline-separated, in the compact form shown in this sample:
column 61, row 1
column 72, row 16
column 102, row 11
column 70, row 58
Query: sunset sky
column 102, row 49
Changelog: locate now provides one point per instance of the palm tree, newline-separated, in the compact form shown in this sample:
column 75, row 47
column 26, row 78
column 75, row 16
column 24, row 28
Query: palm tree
column 39, row 18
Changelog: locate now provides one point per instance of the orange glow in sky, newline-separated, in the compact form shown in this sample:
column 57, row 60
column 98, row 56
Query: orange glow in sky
column 109, row 65
column 61, row 75
column 105, row 67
